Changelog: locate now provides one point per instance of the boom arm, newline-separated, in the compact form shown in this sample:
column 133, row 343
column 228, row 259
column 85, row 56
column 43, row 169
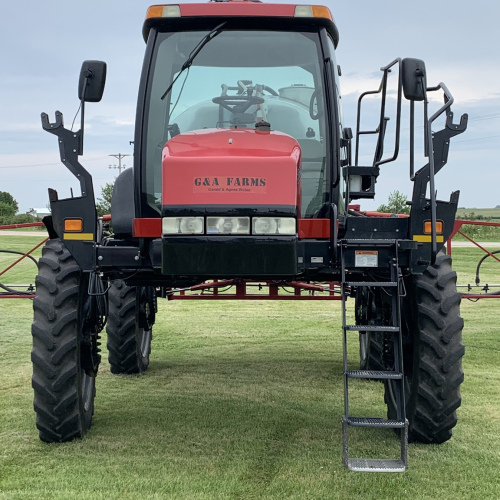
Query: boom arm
column 70, row 146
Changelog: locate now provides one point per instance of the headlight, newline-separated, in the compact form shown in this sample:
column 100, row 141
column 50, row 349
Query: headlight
column 228, row 225
column 273, row 225
column 183, row 225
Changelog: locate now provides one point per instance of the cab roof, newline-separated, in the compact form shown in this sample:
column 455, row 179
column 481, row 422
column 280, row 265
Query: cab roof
column 183, row 17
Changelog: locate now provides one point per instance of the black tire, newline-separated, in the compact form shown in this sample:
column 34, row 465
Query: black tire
column 129, row 328
column 370, row 351
column 64, row 391
column 432, row 352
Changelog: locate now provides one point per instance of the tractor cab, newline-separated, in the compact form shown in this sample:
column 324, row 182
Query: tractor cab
column 237, row 141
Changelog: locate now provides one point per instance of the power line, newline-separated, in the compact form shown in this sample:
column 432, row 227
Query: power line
column 477, row 139
column 119, row 157
column 478, row 118
column 49, row 164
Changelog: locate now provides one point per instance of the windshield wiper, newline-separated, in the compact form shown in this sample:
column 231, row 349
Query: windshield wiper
column 207, row 38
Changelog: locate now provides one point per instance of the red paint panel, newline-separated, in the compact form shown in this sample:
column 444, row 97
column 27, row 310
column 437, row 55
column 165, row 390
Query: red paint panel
column 314, row 228
column 146, row 228
column 236, row 8
column 230, row 167
column 231, row 142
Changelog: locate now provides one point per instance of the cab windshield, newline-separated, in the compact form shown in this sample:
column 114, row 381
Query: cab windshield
column 237, row 79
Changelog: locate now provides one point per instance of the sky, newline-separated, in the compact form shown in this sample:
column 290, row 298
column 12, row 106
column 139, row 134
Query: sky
column 43, row 44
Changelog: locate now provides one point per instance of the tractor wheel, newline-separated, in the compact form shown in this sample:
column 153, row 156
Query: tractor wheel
column 65, row 346
column 432, row 354
column 130, row 327
column 370, row 343
column 370, row 351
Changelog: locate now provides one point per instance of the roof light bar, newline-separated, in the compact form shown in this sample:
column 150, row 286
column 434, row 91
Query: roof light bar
column 156, row 11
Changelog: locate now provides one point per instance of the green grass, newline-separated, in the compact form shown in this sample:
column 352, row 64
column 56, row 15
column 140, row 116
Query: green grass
column 243, row 400
column 480, row 233
column 25, row 271
column 465, row 261
column 487, row 213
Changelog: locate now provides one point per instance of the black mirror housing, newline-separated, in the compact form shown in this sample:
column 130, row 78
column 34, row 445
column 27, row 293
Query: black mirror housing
column 414, row 79
column 92, row 81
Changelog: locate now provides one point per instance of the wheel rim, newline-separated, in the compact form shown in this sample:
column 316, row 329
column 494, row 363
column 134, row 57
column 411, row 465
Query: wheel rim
column 363, row 347
column 391, row 392
column 89, row 354
column 87, row 388
column 145, row 343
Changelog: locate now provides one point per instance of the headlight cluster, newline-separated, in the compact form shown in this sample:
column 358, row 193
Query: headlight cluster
column 229, row 225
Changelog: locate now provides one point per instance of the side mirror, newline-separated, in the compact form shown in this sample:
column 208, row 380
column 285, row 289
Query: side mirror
column 414, row 79
column 92, row 81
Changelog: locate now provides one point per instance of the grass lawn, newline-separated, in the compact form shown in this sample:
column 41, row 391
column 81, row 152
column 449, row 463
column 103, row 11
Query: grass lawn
column 242, row 400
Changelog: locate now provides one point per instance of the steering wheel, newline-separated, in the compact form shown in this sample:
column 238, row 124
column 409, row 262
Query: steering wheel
column 237, row 103
column 314, row 98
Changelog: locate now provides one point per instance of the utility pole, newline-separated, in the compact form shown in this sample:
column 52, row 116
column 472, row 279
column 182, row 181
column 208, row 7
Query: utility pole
column 119, row 157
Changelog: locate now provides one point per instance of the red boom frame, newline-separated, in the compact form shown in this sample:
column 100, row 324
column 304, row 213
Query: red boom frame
column 212, row 290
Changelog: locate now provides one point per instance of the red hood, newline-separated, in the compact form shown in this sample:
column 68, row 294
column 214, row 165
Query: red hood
column 230, row 167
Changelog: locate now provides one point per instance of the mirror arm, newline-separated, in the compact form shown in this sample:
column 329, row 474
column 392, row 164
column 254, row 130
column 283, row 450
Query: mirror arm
column 88, row 76
column 82, row 127
column 412, row 140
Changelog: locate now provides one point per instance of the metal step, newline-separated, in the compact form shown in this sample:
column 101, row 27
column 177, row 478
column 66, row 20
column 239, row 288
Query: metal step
column 374, row 374
column 365, row 242
column 374, row 422
column 376, row 465
column 371, row 328
column 384, row 284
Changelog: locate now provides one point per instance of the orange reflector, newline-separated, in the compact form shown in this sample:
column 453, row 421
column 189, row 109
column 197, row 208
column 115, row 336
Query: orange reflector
column 428, row 227
column 155, row 11
column 322, row 11
column 73, row 225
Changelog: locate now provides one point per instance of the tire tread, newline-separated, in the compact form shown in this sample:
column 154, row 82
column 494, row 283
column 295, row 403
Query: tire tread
column 55, row 353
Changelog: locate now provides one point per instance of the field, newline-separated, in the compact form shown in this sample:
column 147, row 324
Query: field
column 486, row 213
column 242, row 400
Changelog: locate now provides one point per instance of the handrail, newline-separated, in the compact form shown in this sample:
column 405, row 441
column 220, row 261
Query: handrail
column 448, row 101
column 382, row 121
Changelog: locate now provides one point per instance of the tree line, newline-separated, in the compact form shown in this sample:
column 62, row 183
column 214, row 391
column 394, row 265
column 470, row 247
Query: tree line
column 8, row 211
column 9, row 207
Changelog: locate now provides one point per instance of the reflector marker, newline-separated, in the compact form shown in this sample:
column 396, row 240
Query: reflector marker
column 428, row 227
column 427, row 238
column 79, row 236
column 73, row 225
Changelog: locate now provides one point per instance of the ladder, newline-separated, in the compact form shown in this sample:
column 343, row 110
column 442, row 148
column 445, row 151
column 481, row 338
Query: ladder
column 381, row 256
